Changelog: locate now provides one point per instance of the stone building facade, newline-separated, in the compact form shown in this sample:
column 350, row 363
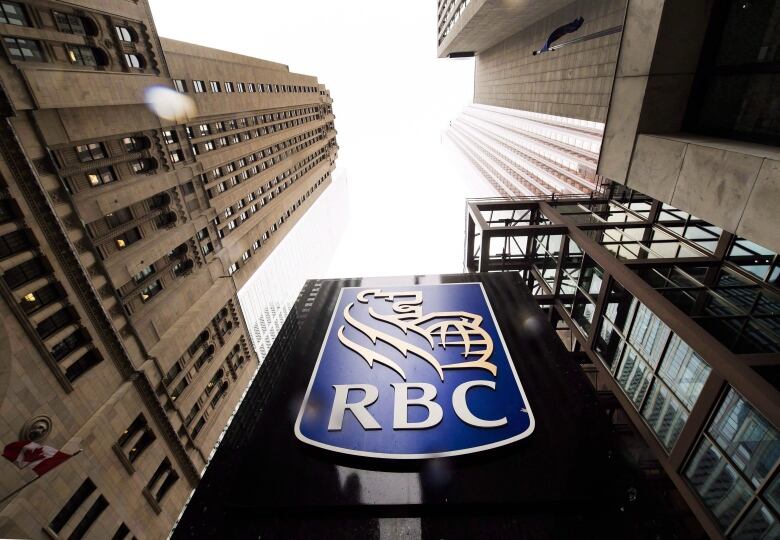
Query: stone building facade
column 124, row 238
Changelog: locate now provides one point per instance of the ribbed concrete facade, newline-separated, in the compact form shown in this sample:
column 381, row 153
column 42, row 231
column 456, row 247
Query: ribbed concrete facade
column 523, row 154
column 124, row 238
column 573, row 81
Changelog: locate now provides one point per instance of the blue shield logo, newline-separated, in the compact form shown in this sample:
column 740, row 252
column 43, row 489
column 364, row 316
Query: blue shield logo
column 413, row 372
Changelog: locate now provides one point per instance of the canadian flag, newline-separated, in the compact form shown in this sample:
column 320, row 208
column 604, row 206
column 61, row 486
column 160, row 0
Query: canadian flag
column 41, row 458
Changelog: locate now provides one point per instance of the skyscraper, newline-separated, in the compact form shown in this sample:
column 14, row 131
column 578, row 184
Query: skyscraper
column 538, row 119
column 666, row 285
column 124, row 238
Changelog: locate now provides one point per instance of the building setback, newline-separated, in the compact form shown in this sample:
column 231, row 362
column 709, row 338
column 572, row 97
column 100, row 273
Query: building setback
column 124, row 238
column 666, row 285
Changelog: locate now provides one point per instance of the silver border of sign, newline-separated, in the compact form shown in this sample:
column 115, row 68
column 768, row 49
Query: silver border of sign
column 381, row 455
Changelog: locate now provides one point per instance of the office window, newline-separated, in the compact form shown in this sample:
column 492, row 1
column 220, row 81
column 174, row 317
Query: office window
column 39, row 298
column 122, row 532
column 228, row 86
column 232, row 269
column 208, row 146
column 13, row 13
column 102, row 175
column 135, row 61
column 151, row 291
column 133, row 144
column 87, row 361
column 126, row 34
column 250, row 87
column 180, row 85
column 90, row 152
column 256, row 245
column 55, row 321
column 732, row 462
column 245, row 256
column 78, row 54
column 203, row 130
column 143, row 274
column 141, row 166
column 136, row 438
column 70, row 344
column 177, row 156
column 162, row 480
column 83, row 492
column 239, row 87
column 127, row 238
column 14, row 242
column 199, row 86
column 170, row 136
column 216, row 87
column 120, row 217
column 25, row 272
column 89, row 518
column 231, row 225
column 71, row 24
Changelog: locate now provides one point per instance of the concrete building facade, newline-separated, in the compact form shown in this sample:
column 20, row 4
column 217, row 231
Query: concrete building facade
column 124, row 238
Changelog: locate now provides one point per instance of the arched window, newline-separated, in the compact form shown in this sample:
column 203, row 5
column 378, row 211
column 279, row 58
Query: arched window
column 86, row 56
column 74, row 24
column 135, row 144
column 135, row 61
column 143, row 165
column 126, row 34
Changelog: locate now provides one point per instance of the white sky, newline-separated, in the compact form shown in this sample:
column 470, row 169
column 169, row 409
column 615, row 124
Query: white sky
column 392, row 99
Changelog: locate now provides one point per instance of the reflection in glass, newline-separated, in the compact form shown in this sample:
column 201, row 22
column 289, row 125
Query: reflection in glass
column 718, row 484
column 664, row 414
column 758, row 524
column 746, row 437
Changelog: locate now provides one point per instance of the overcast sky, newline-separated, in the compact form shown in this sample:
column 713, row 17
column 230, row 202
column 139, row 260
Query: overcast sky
column 392, row 99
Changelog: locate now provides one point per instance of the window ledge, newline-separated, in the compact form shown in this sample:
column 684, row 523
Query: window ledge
column 123, row 458
column 152, row 502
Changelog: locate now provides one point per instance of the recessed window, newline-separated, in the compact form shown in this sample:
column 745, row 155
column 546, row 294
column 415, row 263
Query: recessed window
column 141, row 166
column 216, row 87
column 88, row 360
column 128, row 238
column 26, row 50
column 41, row 297
column 203, row 129
column 208, row 146
column 133, row 144
column 135, row 61
column 177, row 156
column 90, row 152
column 199, row 86
column 57, row 320
column 125, row 34
column 72, row 24
column 170, row 136
column 81, row 55
column 228, row 86
column 239, row 87
column 245, row 256
column 103, row 175
column 250, row 87
column 120, row 217
column 162, row 480
column 152, row 290
column 13, row 13
column 232, row 269
column 70, row 344
column 231, row 225
column 143, row 274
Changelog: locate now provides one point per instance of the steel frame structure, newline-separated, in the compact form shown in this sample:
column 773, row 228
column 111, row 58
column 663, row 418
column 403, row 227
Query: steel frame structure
column 506, row 243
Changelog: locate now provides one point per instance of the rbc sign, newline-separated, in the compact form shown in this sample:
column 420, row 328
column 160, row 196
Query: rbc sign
column 413, row 372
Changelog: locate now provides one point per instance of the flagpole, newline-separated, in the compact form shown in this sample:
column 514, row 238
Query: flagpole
column 17, row 490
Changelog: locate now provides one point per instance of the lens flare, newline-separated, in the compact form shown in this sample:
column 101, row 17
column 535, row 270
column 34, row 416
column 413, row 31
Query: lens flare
column 169, row 104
